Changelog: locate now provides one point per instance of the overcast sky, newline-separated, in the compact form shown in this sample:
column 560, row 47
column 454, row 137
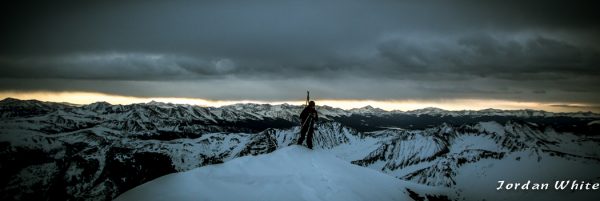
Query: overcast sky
column 275, row 50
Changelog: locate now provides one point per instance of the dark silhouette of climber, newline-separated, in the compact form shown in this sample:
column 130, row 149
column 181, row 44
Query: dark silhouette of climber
column 308, row 117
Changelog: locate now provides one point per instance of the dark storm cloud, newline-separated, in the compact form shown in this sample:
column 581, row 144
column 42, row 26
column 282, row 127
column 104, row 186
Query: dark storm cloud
column 484, row 55
column 535, row 51
column 115, row 66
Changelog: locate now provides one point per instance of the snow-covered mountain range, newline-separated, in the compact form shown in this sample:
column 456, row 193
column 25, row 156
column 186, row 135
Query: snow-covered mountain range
column 60, row 151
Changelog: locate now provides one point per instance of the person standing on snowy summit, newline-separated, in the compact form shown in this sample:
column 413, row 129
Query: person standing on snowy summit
column 308, row 117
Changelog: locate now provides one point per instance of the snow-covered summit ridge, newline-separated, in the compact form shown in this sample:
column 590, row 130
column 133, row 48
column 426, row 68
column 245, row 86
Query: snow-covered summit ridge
column 290, row 173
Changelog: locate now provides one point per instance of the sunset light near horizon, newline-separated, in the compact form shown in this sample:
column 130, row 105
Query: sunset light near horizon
column 403, row 105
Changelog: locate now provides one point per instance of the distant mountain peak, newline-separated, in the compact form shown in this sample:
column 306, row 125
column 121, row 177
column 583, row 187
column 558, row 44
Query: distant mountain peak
column 327, row 109
column 14, row 100
column 368, row 107
column 9, row 99
column 368, row 110
column 26, row 103
column 101, row 103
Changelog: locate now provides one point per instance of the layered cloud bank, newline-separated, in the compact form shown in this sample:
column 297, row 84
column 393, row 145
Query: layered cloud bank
column 541, row 52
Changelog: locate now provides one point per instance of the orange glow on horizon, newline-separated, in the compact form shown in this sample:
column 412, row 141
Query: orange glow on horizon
column 404, row 105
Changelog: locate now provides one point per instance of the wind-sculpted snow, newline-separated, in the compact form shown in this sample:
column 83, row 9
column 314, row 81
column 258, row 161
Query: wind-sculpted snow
column 55, row 151
column 405, row 148
column 290, row 173
column 432, row 156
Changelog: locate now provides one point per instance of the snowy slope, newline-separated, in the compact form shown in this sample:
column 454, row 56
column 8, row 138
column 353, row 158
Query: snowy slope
column 291, row 173
column 478, row 181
